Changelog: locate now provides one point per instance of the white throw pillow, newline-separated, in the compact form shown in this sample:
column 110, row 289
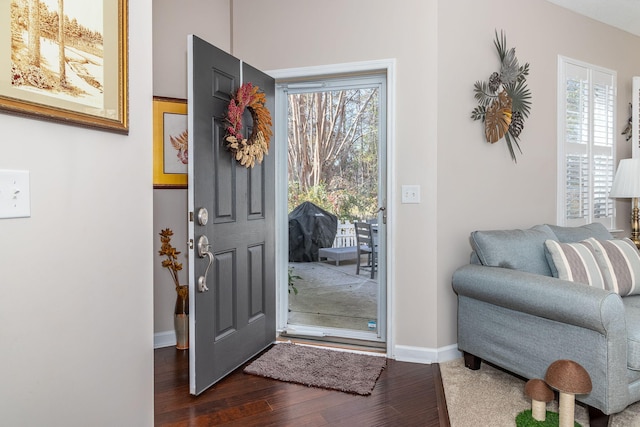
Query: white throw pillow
column 619, row 261
column 575, row 262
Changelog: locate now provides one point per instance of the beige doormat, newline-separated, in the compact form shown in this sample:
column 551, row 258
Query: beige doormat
column 491, row 397
column 319, row 367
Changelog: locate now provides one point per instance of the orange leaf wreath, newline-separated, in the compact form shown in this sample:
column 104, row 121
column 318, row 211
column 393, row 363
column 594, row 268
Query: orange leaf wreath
column 248, row 151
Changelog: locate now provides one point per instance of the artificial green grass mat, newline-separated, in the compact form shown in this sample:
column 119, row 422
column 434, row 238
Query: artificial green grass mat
column 525, row 419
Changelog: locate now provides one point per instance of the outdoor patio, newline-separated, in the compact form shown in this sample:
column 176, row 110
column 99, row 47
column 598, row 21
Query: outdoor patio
column 333, row 296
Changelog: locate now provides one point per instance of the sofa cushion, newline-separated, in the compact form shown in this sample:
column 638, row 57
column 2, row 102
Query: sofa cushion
column 575, row 262
column 619, row 262
column 632, row 318
column 577, row 234
column 515, row 249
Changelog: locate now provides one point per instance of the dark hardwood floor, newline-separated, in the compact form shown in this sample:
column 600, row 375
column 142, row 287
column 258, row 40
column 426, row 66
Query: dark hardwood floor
column 406, row 394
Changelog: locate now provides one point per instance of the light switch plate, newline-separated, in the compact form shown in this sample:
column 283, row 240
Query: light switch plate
column 15, row 196
column 410, row 194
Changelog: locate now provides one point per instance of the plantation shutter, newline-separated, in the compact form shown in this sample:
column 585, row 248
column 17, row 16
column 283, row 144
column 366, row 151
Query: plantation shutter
column 576, row 138
column 588, row 146
column 603, row 144
column 635, row 117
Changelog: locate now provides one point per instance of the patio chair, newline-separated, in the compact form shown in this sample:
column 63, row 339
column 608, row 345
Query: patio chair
column 365, row 244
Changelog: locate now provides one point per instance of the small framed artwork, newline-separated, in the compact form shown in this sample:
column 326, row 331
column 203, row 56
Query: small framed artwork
column 170, row 143
column 71, row 70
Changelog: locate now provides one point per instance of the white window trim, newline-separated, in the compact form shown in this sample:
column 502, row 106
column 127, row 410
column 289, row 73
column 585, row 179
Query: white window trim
column 560, row 138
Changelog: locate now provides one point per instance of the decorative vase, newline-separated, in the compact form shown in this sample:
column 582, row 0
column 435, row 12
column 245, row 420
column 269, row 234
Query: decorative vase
column 181, row 317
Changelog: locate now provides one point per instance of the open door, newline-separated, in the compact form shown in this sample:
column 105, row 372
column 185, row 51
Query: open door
column 231, row 224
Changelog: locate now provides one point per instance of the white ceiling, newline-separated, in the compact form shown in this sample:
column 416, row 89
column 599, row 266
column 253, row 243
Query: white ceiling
column 623, row 14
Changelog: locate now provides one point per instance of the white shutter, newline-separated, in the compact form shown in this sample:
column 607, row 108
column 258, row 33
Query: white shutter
column 587, row 145
column 577, row 188
column 576, row 140
column 635, row 118
column 603, row 142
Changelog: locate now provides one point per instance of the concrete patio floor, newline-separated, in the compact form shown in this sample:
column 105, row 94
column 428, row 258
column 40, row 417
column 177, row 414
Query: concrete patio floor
column 333, row 296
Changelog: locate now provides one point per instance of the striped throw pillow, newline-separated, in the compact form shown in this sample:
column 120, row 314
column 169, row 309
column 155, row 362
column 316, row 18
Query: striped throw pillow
column 575, row 262
column 619, row 262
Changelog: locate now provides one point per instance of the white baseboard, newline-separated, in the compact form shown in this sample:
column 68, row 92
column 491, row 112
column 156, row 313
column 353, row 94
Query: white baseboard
column 405, row 353
column 402, row 353
column 164, row 339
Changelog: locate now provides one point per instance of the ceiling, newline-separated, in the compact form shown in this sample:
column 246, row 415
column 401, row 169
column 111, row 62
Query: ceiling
column 623, row 14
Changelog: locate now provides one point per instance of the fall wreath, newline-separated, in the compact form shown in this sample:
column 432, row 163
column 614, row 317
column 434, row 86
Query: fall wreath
column 504, row 101
column 248, row 151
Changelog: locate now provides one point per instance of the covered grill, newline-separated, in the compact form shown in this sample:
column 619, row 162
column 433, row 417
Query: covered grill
column 310, row 228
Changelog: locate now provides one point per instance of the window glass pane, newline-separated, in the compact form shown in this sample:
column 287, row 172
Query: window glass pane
column 603, row 115
column 602, row 181
column 576, row 104
column 577, row 196
column 333, row 149
column 577, row 118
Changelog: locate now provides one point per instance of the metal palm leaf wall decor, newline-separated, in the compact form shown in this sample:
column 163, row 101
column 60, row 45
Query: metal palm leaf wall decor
column 504, row 101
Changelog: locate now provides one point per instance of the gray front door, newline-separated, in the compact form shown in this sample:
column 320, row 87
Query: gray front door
column 232, row 303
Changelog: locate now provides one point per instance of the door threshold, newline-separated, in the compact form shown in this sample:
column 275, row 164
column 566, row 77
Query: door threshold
column 335, row 342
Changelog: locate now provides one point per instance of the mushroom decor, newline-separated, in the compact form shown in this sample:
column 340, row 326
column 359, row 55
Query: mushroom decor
column 569, row 378
column 540, row 394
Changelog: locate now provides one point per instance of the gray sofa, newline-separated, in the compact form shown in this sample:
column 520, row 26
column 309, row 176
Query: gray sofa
column 514, row 314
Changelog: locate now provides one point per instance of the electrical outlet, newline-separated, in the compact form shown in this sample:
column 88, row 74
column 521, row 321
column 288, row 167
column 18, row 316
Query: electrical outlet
column 14, row 194
column 410, row 194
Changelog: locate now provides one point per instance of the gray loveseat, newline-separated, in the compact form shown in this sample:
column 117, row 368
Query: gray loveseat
column 513, row 313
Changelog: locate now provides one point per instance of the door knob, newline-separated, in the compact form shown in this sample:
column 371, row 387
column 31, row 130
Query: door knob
column 203, row 251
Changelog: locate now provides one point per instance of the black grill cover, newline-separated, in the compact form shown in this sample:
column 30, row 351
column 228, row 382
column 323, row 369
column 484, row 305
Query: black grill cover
column 310, row 228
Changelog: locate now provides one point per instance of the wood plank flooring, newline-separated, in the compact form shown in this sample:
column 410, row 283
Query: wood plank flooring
column 406, row 394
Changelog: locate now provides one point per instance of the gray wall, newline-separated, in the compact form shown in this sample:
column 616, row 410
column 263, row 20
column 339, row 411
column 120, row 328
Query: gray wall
column 76, row 311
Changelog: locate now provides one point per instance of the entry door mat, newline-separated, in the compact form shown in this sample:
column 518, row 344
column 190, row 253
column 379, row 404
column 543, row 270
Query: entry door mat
column 319, row 367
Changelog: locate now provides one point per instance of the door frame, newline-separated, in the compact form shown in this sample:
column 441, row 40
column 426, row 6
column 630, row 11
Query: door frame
column 388, row 67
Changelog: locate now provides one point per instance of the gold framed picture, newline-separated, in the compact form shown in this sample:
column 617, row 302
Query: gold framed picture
column 170, row 143
column 72, row 70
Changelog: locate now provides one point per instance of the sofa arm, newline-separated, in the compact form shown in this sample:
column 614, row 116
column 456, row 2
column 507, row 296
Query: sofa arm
column 547, row 297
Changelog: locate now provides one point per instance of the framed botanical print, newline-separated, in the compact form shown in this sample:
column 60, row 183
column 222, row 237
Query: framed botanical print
column 71, row 70
column 170, row 143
